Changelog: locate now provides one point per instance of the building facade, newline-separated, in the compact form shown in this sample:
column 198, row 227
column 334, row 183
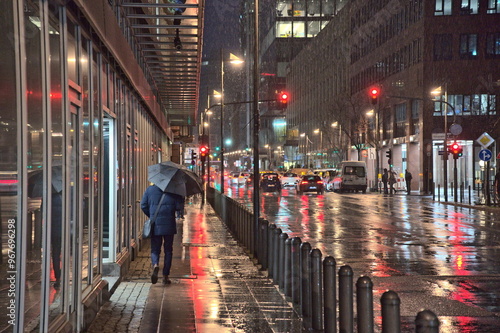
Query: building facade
column 80, row 122
column 405, row 49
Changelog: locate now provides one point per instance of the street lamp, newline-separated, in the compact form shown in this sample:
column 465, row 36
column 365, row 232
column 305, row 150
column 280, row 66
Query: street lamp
column 320, row 132
column 376, row 138
column 306, row 157
column 233, row 60
column 438, row 92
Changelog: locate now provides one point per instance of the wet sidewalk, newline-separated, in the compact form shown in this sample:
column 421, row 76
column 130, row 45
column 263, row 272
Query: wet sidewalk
column 215, row 288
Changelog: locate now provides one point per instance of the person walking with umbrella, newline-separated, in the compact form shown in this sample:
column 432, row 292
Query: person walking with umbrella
column 172, row 183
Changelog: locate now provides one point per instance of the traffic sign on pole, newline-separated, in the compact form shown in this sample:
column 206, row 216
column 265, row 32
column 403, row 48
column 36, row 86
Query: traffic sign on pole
column 485, row 155
column 485, row 140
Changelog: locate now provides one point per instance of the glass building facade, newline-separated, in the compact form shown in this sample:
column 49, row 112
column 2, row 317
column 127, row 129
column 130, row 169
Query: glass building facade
column 75, row 140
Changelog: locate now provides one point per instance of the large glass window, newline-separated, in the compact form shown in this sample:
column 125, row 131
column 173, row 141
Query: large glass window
column 35, row 160
column 443, row 7
column 58, row 151
column 9, row 147
column 468, row 46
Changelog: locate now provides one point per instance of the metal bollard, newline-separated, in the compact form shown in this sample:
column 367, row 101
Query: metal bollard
column 305, row 279
column 287, row 275
column 330, row 295
column 281, row 261
column 364, row 302
column 346, row 311
column 426, row 322
column 439, row 192
column 276, row 256
column 263, row 244
column 316, row 290
column 462, row 189
column 270, row 248
column 295, row 269
column 391, row 319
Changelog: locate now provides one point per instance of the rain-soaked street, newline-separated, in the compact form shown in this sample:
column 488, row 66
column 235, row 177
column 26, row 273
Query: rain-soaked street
column 435, row 256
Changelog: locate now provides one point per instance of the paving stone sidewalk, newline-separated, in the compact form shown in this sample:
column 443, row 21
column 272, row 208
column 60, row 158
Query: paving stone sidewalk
column 215, row 288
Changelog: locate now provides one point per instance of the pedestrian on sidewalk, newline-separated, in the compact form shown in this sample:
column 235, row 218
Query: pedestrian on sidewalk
column 392, row 181
column 385, row 179
column 408, row 178
column 164, row 228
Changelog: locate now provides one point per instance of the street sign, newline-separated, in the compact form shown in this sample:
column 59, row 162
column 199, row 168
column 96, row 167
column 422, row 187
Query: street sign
column 485, row 140
column 485, row 155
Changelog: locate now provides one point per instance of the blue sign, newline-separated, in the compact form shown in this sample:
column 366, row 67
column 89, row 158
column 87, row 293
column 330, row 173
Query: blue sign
column 485, row 155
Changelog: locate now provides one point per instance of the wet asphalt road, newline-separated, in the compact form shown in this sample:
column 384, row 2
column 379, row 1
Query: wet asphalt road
column 435, row 256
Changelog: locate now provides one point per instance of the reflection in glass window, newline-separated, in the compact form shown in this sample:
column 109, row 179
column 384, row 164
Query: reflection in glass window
column 313, row 28
column 443, row 7
column 468, row 46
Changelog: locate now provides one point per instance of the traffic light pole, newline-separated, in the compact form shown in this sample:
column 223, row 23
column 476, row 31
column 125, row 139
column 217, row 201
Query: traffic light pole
column 455, row 178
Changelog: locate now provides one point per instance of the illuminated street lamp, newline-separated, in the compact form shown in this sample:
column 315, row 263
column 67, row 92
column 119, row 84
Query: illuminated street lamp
column 438, row 92
column 320, row 132
column 233, row 60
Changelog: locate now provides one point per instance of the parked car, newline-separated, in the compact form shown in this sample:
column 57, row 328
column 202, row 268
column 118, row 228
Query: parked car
column 311, row 183
column 328, row 175
column 270, row 182
column 351, row 177
column 289, row 179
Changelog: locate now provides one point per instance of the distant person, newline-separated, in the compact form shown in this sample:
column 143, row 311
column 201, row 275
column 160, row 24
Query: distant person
column 408, row 178
column 392, row 181
column 164, row 229
column 385, row 179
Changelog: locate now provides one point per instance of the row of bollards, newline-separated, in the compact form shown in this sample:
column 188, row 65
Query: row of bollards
column 310, row 282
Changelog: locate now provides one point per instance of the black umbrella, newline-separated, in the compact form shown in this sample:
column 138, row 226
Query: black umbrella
column 174, row 178
column 35, row 182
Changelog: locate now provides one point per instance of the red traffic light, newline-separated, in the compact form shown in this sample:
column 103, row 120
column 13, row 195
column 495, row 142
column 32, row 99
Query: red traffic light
column 455, row 149
column 203, row 151
column 283, row 97
column 374, row 92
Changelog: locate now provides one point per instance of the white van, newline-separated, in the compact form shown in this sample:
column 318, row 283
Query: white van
column 351, row 177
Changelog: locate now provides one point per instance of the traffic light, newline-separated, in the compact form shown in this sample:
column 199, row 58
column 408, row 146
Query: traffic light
column 374, row 92
column 388, row 154
column 456, row 150
column 283, row 98
column 204, row 152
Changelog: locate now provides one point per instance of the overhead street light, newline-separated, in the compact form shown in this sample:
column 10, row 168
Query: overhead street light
column 233, row 60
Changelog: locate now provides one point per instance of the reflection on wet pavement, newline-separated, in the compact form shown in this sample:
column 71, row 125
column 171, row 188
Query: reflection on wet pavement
column 435, row 256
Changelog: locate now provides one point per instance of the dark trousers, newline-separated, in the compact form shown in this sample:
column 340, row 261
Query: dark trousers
column 386, row 190
column 156, row 242
column 408, row 186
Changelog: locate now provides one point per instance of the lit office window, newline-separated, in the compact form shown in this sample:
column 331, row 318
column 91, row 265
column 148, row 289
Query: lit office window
column 493, row 7
column 469, row 7
column 493, row 45
column 443, row 7
column 283, row 29
column 468, row 46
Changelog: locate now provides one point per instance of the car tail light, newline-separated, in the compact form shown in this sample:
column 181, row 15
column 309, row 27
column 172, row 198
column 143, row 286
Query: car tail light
column 319, row 182
column 304, row 182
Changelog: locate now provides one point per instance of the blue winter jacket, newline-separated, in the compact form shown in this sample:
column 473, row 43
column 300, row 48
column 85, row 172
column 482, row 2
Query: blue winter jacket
column 165, row 220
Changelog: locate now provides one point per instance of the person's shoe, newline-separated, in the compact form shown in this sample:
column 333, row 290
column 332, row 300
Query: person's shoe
column 166, row 280
column 154, row 276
